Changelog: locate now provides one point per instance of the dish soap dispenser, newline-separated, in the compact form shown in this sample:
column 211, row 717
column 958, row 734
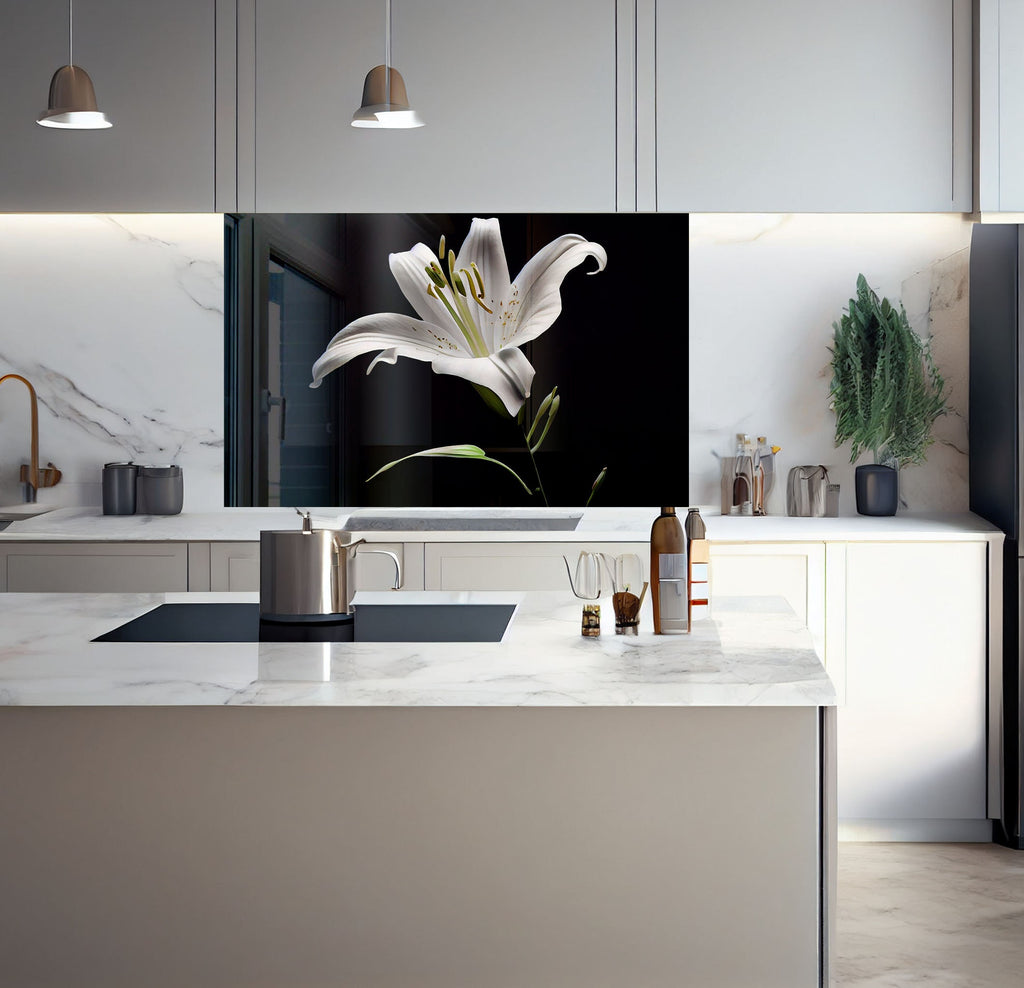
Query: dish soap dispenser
column 668, row 573
column 743, row 477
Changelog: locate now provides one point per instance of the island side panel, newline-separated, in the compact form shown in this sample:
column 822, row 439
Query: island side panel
column 442, row 847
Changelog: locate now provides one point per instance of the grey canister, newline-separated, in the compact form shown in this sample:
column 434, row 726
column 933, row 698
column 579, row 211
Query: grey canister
column 160, row 490
column 119, row 481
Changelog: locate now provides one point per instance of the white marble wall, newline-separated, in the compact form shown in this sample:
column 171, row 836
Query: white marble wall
column 118, row 322
column 764, row 292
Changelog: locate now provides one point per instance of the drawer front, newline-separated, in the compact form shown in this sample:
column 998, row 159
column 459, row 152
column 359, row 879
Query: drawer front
column 97, row 568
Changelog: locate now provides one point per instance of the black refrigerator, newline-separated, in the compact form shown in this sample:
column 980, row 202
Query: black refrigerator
column 996, row 418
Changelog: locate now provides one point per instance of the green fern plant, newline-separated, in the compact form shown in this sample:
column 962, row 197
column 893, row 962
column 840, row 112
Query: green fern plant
column 885, row 390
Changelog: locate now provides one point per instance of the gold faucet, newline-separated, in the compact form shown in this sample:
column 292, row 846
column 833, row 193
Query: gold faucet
column 30, row 477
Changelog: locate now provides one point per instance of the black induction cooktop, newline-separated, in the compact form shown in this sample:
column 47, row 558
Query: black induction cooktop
column 240, row 622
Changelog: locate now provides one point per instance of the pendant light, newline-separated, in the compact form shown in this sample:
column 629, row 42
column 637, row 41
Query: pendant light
column 385, row 103
column 72, row 104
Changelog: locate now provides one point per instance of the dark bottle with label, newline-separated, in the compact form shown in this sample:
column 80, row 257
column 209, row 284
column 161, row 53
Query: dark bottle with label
column 668, row 573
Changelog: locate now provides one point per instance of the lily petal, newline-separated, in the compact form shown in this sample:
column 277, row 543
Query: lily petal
column 483, row 247
column 539, row 300
column 408, row 270
column 389, row 331
column 507, row 373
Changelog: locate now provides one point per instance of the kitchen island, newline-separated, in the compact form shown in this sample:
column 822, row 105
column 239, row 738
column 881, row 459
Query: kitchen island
column 546, row 810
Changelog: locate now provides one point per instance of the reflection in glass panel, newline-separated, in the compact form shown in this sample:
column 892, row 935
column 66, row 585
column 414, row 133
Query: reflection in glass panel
column 300, row 423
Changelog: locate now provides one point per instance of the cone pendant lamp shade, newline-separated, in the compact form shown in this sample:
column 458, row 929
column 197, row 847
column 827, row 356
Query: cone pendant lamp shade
column 72, row 103
column 385, row 105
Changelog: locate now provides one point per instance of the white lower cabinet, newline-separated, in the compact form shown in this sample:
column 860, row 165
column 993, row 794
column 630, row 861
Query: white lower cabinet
column 235, row 566
column 912, row 748
column 794, row 571
column 512, row 565
column 94, row 567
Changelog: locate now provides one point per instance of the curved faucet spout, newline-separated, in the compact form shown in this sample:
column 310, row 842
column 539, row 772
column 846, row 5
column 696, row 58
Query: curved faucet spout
column 30, row 478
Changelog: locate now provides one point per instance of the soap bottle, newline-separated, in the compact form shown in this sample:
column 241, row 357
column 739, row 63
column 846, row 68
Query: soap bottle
column 668, row 573
column 743, row 477
column 764, row 474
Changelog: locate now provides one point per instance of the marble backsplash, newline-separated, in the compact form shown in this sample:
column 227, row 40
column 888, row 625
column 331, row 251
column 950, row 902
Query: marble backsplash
column 764, row 292
column 118, row 322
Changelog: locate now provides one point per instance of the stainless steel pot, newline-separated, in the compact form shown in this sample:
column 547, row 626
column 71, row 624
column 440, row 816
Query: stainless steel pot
column 306, row 573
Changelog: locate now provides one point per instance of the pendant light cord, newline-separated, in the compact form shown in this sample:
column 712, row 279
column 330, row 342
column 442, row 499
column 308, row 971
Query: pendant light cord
column 71, row 32
column 387, row 52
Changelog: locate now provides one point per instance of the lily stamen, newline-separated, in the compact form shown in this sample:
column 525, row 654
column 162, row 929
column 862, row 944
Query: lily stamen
column 479, row 301
column 435, row 275
column 479, row 278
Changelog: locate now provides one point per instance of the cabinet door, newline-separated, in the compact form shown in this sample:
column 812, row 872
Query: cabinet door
column 1000, row 105
column 518, row 101
column 793, row 571
column 806, row 106
column 236, row 566
column 153, row 69
column 911, row 736
column 512, row 565
column 100, row 567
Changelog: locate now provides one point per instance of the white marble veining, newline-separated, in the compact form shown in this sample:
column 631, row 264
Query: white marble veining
column 745, row 656
column 764, row 292
column 118, row 322
column 596, row 525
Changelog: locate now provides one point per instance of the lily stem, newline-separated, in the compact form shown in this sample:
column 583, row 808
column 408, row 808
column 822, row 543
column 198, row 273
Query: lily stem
column 536, row 471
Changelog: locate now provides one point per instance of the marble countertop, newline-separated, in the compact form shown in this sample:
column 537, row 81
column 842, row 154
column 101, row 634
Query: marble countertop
column 753, row 652
column 595, row 525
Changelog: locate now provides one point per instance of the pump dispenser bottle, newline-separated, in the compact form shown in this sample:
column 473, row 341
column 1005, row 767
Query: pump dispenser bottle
column 668, row 574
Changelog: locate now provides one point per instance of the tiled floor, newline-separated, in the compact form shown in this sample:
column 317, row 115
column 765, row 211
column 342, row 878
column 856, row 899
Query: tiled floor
column 941, row 915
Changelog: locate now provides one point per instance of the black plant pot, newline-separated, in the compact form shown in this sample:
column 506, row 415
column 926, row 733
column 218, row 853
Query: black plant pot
column 878, row 489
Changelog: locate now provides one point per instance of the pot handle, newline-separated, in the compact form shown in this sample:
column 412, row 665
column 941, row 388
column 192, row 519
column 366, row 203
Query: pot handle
column 341, row 547
column 394, row 559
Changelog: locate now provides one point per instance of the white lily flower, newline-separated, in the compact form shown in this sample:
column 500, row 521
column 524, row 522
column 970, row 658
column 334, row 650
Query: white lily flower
column 473, row 318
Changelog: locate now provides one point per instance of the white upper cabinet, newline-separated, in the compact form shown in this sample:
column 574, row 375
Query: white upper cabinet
column 1000, row 106
column 153, row 69
column 805, row 106
column 518, row 100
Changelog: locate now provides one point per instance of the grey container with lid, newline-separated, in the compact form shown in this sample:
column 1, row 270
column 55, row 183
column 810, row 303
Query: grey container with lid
column 119, row 483
column 160, row 490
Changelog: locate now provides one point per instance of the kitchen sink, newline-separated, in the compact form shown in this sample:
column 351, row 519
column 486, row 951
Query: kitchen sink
column 16, row 512
column 240, row 622
column 464, row 520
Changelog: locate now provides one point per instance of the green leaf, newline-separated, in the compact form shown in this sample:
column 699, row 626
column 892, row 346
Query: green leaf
column 465, row 451
column 885, row 390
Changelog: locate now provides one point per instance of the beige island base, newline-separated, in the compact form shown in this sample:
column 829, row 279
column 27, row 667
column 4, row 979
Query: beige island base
column 245, row 830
